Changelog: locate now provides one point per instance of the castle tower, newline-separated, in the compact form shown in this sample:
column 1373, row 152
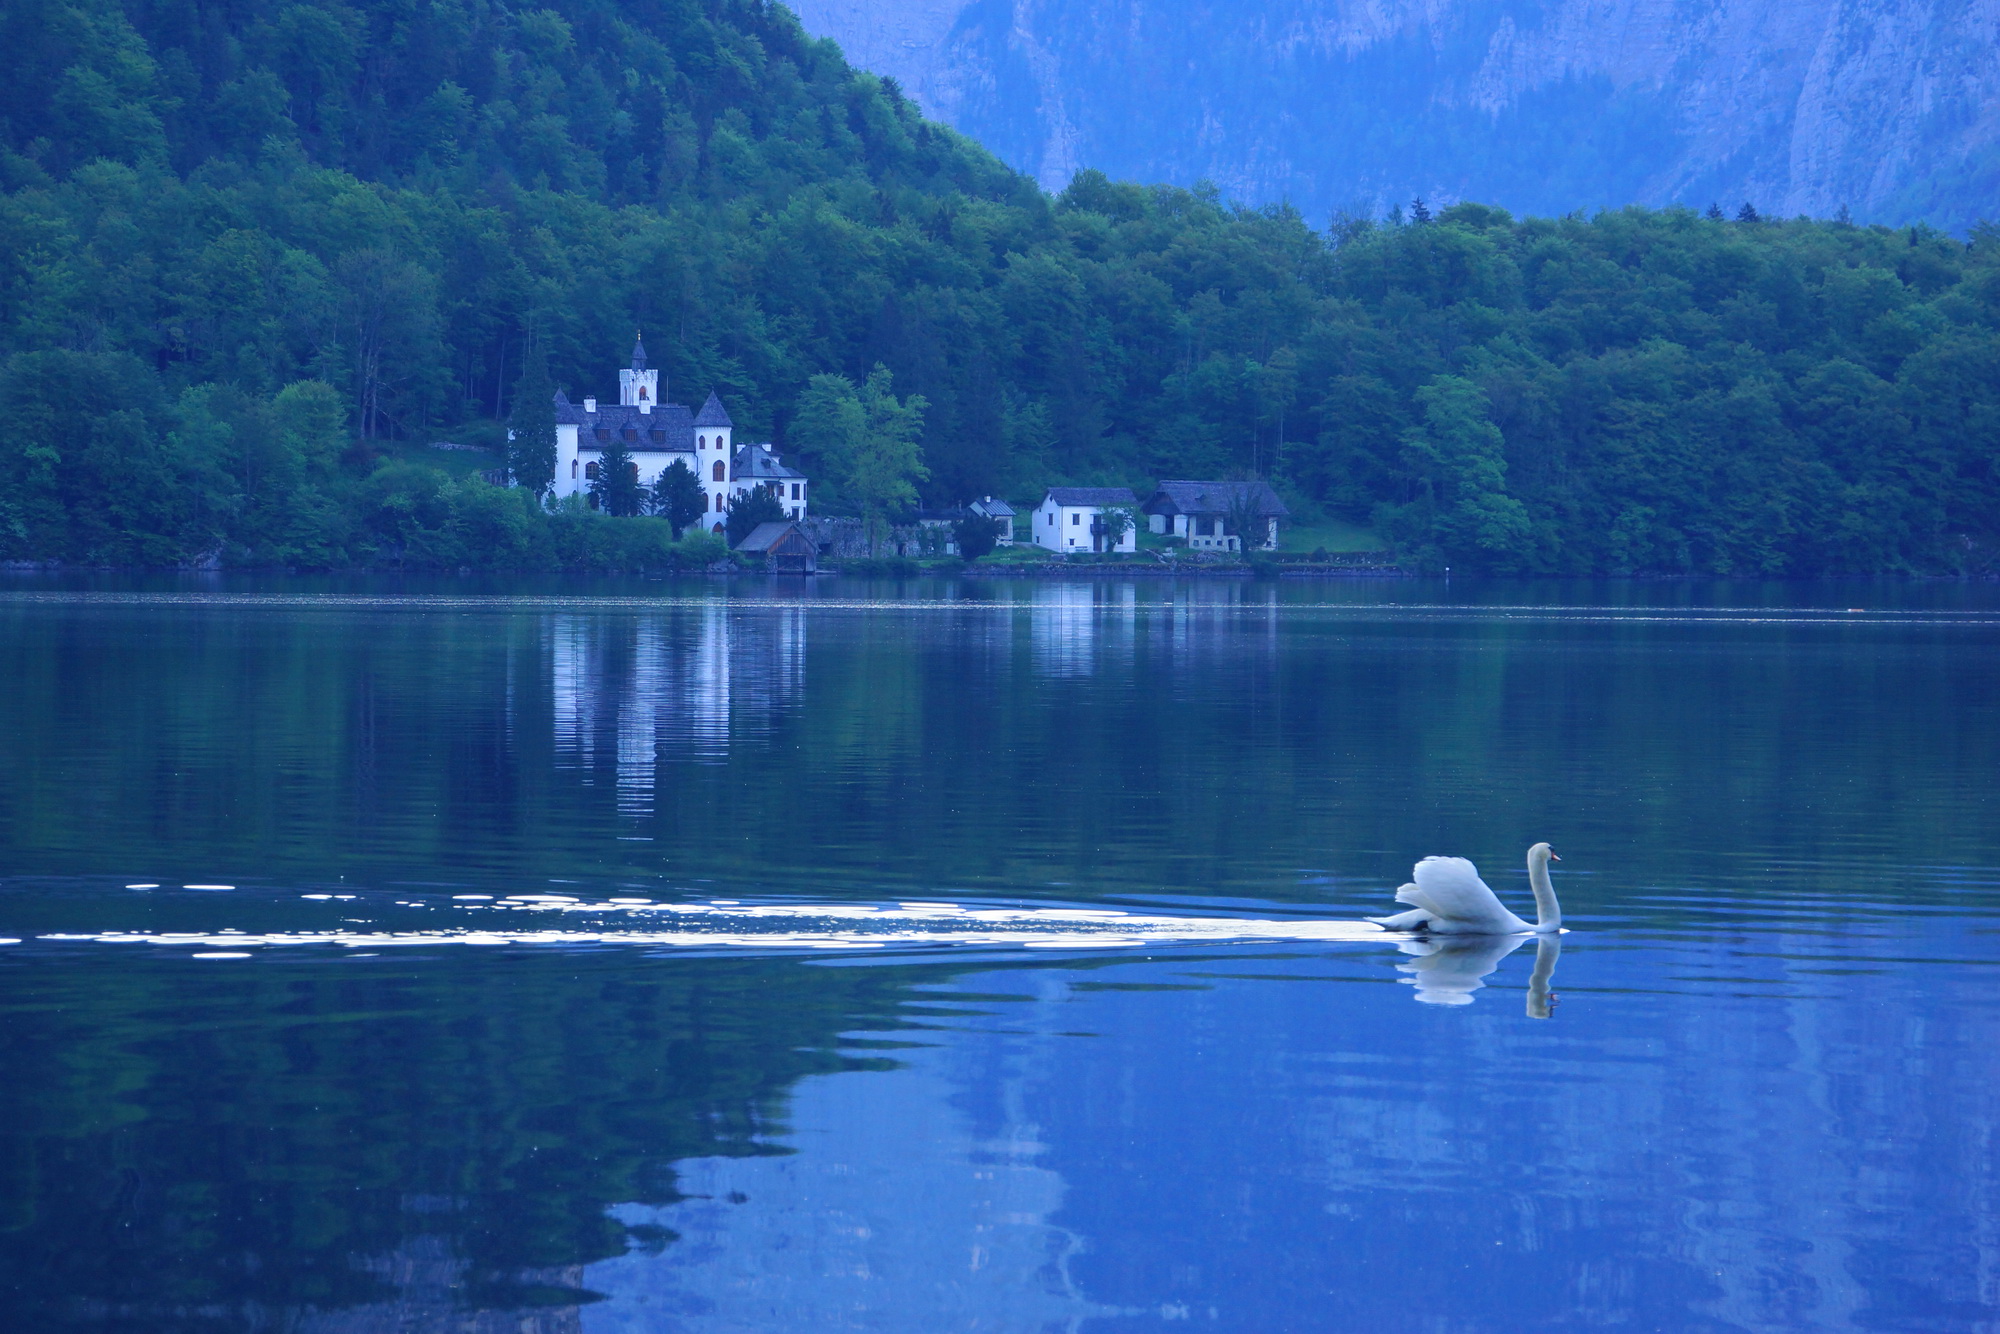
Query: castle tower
column 639, row 387
column 714, row 458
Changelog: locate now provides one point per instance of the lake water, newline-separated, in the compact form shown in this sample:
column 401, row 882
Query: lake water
column 986, row 956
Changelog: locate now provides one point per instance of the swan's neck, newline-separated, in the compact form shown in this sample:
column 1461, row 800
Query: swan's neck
column 1548, row 913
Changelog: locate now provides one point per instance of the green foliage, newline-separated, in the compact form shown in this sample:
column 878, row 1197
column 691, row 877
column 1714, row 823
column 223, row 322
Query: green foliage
column 867, row 441
column 201, row 212
column 747, row 511
column 1116, row 521
column 616, row 489
column 678, row 497
column 1459, row 459
column 975, row 535
column 531, row 446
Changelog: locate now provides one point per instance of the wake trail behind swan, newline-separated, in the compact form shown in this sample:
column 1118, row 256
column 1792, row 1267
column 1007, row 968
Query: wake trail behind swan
column 780, row 927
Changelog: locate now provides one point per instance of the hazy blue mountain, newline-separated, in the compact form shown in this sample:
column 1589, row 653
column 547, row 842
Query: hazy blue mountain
column 1889, row 107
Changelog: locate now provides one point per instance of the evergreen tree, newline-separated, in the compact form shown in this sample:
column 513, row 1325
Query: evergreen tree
column 1420, row 212
column 1748, row 213
column 678, row 497
column 976, row 535
column 747, row 511
column 531, row 443
column 616, row 487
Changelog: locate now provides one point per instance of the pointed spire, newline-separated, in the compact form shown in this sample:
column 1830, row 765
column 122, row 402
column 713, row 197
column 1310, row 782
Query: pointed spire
column 713, row 413
column 638, row 352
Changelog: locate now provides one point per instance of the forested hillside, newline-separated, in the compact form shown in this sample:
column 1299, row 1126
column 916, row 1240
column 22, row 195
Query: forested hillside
column 251, row 252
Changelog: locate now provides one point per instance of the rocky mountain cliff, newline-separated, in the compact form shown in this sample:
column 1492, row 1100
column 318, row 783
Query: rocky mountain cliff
column 1890, row 108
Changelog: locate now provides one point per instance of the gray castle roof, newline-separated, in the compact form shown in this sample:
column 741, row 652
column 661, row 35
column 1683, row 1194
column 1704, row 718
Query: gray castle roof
column 1215, row 498
column 1092, row 495
column 713, row 413
column 669, row 427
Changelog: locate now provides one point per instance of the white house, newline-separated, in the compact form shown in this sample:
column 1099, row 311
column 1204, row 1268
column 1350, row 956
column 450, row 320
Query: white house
column 660, row 434
column 1002, row 515
column 1203, row 513
column 1071, row 518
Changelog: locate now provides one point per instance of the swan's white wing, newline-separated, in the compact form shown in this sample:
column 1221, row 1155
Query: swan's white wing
column 1452, row 890
column 1415, row 897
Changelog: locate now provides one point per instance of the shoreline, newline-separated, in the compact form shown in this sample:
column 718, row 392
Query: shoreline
column 1038, row 570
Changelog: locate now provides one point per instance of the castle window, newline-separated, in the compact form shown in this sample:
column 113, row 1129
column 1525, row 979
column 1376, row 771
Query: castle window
column 590, row 470
column 572, row 470
column 603, row 433
column 642, row 393
column 631, row 434
column 659, row 437
column 701, row 442
column 718, row 471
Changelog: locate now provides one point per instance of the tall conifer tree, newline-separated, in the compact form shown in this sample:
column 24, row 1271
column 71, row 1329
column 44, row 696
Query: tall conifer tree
column 531, row 447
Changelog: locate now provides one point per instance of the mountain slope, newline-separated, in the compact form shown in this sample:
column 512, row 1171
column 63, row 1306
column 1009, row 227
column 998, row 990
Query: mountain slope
column 1888, row 107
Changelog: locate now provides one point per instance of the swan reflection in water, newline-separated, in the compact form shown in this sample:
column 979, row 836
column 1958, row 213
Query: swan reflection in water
column 1447, row 970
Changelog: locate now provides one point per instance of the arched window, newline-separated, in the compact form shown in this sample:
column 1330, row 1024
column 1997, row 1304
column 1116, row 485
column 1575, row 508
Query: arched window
column 572, row 470
column 642, row 393
column 718, row 473
column 716, row 529
column 590, row 470
column 701, row 442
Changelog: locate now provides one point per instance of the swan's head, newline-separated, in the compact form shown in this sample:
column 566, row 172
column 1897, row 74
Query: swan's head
column 1543, row 852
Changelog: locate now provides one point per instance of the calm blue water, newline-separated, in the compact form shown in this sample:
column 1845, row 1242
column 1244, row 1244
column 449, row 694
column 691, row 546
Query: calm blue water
column 691, row 957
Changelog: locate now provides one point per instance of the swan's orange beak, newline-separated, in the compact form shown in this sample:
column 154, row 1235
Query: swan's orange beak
column 1552, row 855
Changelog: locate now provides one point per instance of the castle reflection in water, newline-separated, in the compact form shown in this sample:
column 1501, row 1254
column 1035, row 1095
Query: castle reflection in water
column 639, row 691
column 630, row 693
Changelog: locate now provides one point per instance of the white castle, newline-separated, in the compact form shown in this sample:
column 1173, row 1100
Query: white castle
column 660, row 434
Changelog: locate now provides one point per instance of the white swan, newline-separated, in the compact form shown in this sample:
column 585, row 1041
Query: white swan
column 1449, row 897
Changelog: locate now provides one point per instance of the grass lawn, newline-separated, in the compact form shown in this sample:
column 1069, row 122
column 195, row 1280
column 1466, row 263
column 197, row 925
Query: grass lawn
column 1021, row 553
column 457, row 462
column 1332, row 534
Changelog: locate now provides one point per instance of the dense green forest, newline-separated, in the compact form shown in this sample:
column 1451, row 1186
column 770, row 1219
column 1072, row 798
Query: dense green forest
column 254, row 255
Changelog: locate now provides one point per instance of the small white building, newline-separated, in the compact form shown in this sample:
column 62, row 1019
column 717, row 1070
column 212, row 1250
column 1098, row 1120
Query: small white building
column 1002, row 515
column 1071, row 519
column 1204, row 512
column 659, row 434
